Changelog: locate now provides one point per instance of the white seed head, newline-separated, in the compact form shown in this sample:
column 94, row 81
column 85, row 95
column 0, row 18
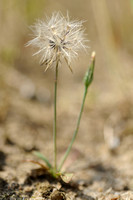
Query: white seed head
column 58, row 38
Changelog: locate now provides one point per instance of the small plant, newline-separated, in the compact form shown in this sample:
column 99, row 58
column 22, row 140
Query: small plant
column 60, row 39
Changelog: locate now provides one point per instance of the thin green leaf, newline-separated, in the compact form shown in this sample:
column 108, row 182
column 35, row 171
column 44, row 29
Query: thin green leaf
column 42, row 157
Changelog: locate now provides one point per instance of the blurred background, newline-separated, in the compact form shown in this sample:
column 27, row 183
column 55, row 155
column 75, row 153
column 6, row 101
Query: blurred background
column 26, row 92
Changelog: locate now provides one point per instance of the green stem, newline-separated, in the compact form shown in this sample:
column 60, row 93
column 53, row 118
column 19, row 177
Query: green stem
column 55, row 128
column 75, row 133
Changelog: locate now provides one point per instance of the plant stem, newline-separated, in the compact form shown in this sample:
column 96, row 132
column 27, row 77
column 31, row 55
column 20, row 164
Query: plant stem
column 55, row 114
column 75, row 133
column 87, row 82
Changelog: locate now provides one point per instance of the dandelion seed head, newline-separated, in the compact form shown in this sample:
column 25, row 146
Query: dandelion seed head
column 58, row 38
